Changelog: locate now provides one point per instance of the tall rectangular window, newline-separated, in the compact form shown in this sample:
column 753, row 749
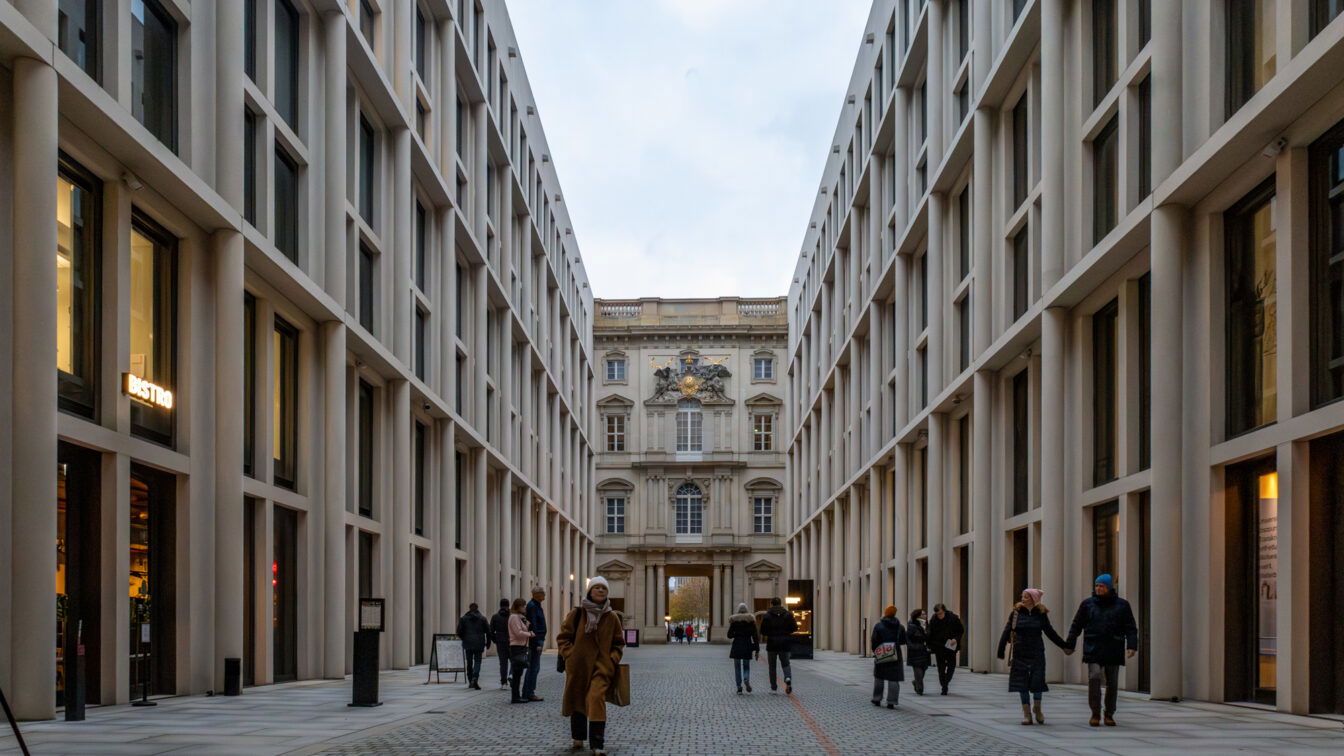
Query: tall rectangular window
column 250, row 128
column 1106, row 538
column 1146, row 137
column 763, row 432
column 460, row 300
column 1326, row 266
column 459, row 462
column 1105, row 177
column 286, row 204
column 421, row 477
column 763, row 369
column 763, row 514
column 421, row 246
column 1021, row 412
column 615, row 433
column 367, row 19
column 1145, row 13
column 1251, row 59
column 1021, row 141
column 963, row 29
column 154, row 70
column 153, row 324
column 77, row 29
column 285, row 420
column 615, row 514
column 1104, row 324
column 964, row 233
column 249, row 384
column 1145, row 371
column 922, row 282
column 250, row 39
column 421, row 45
column 460, row 114
column 1251, row 300
column 287, row 62
column 78, row 228
column 615, row 370
column 421, row 341
column 1021, row 273
column 1323, row 12
column 368, row 272
column 367, row 166
column 964, row 474
column 689, row 430
column 365, row 450
column 1104, row 53
column 964, row 332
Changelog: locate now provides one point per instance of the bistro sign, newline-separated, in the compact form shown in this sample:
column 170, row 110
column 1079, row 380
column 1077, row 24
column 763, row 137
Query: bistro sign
column 149, row 393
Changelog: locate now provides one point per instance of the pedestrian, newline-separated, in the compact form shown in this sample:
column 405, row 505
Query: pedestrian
column 474, row 630
column 536, row 619
column 1023, row 632
column 746, row 643
column 520, row 638
column 591, row 643
column 679, row 633
column 778, row 627
column 690, row 633
column 499, row 631
column 917, row 643
column 945, row 631
column 1109, row 637
column 886, row 643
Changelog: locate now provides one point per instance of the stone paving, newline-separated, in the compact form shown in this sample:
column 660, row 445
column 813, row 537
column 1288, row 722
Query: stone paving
column 684, row 703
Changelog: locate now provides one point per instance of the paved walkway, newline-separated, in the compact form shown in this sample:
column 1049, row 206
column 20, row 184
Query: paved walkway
column 684, row 703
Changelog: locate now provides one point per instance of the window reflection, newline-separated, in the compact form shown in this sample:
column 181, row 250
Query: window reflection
column 153, row 298
column 76, row 250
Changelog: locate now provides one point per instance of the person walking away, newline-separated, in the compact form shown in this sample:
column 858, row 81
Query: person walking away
column 591, row 643
column 746, row 643
column 887, row 640
column 499, row 632
column 917, row 644
column 689, row 633
column 536, row 618
column 474, row 630
column 1023, row 632
column 778, row 627
column 520, row 639
column 945, row 631
column 1109, row 637
column 678, row 633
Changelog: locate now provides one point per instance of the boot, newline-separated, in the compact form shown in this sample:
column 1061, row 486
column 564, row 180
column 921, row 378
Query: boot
column 1040, row 715
column 1026, row 714
column 1109, row 720
column 1095, row 721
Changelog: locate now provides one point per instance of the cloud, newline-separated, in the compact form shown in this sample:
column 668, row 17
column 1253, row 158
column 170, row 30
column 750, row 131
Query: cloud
column 689, row 135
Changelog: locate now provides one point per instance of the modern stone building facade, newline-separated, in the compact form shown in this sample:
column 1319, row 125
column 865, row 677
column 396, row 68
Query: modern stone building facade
column 1068, row 303
column 690, row 473
column 321, row 331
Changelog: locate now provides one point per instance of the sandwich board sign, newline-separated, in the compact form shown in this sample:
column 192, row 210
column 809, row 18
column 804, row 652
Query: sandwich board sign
column 445, row 655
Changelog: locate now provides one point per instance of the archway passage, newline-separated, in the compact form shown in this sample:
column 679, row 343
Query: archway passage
column 689, row 603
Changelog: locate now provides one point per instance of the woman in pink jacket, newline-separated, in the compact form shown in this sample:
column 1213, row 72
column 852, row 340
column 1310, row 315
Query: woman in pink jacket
column 519, row 636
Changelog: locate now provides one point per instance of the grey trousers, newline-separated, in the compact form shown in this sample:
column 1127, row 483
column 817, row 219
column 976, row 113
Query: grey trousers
column 1095, row 675
column 893, row 690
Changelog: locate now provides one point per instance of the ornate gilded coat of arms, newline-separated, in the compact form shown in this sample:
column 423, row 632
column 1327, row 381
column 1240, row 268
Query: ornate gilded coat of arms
column 689, row 379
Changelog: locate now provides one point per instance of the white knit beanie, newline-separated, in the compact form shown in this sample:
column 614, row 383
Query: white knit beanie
column 599, row 580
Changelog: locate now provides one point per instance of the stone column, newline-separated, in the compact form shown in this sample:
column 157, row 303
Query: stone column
column 836, row 568
column 228, row 144
column 543, row 546
column 982, row 523
column 403, row 212
column 480, row 569
column 937, row 350
column 506, row 531
column 334, row 462
column 1054, row 504
column 660, row 592
column 557, row 581
column 228, row 432
column 900, row 512
column 445, row 543
column 334, row 82
column 852, row 596
column 936, row 527
column 1054, row 71
column 529, row 559
column 401, row 526
column 874, row 492
column 33, row 555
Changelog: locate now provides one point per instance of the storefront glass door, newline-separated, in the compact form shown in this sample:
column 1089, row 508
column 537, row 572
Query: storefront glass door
column 151, row 578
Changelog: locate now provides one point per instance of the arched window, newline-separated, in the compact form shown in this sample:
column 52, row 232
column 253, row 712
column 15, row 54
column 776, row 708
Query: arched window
column 689, row 430
column 690, row 510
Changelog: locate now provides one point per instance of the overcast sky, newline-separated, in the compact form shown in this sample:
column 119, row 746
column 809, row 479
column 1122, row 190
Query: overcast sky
column 689, row 135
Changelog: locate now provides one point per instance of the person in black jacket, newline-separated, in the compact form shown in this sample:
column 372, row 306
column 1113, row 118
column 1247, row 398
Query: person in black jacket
column 536, row 620
column 1024, row 629
column 945, row 631
column 778, row 627
column 887, row 640
column 917, row 644
column 746, row 644
column 474, row 630
column 499, row 630
column 1109, row 637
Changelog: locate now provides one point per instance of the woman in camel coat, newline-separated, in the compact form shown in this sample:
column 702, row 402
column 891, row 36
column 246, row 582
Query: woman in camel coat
column 591, row 642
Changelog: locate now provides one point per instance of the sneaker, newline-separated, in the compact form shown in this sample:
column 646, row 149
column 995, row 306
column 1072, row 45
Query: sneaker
column 576, row 745
column 739, row 691
column 788, row 687
column 503, row 686
column 891, row 706
column 748, row 687
column 877, row 704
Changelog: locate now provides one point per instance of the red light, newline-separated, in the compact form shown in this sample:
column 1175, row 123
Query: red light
column 275, row 567
column 274, row 581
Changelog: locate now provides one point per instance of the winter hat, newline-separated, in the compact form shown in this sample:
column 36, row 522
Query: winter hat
column 596, row 581
column 1106, row 580
column 1035, row 594
column 742, row 608
column 890, row 611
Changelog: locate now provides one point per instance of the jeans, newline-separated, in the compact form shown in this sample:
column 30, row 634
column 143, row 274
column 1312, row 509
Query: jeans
column 947, row 664
column 473, row 664
column 742, row 671
column 533, row 667
column 581, row 729
column 517, row 678
column 919, row 678
column 893, row 690
column 783, row 657
column 1022, row 694
column 1095, row 673
column 503, row 664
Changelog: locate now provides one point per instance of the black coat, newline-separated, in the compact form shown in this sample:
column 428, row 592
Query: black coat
column 536, row 619
column 1107, row 626
column 1027, row 672
column 742, row 631
column 474, row 630
column 943, row 630
column 499, row 629
column 778, row 627
column 888, row 630
column 917, row 642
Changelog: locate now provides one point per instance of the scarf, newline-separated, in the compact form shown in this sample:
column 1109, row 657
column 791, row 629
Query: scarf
column 593, row 613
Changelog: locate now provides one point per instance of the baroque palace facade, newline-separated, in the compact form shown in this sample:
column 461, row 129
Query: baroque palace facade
column 690, row 474
column 1068, row 303
column 321, row 331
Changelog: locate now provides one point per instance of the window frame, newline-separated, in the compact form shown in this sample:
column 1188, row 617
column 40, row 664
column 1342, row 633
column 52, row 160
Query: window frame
column 1327, row 148
column 615, row 519
column 167, row 132
column 1238, row 220
column 762, row 431
column 615, row 432
column 286, row 419
column 159, row 424
column 689, row 506
column 690, row 428
column 78, row 394
column 286, row 205
column 762, row 514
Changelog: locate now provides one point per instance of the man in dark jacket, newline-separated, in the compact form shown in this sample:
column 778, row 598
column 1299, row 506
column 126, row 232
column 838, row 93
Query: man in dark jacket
column 474, row 630
column 499, row 630
column 536, row 620
column 945, row 631
column 1109, row 637
column 778, row 627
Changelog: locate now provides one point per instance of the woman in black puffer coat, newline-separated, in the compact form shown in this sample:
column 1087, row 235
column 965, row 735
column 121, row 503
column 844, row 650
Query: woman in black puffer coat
column 1027, row 624
column 886, row 644
column 917, row 648
column 746, row 644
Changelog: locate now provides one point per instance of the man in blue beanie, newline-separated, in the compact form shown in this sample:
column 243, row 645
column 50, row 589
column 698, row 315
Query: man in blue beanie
column 1110, row 635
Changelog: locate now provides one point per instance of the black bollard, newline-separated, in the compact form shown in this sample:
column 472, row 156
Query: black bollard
column 233, row 676
column 365, row 678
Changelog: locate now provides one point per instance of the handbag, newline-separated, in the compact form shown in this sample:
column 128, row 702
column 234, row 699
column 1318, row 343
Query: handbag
column 618, row 692
column 1012, row 636
column 887, row 652
column 518, row 658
